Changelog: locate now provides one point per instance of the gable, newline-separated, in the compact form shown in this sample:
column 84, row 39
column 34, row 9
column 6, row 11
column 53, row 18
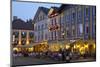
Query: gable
column 50, row 11
column 41, row 13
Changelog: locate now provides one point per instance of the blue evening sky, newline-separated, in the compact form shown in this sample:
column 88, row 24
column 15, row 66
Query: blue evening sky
column 27, row 10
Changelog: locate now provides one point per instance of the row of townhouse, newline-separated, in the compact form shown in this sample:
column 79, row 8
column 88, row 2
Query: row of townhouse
column 67, row 22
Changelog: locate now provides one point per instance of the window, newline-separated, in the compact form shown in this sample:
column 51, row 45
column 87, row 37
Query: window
column 16, row 34
column 31, row 41
column 40, row 18
column 43, row 17
column 46, row 36
column 67, row 18
column 73, row 16
column 42, row 35
column 51, row 35
column 23, row 34
column 42, row 26
column 35, row 38
column 23, row 42
column 55, row 20
column 35, row 28
column 62, row 19
column 31, row 34
column 62, row 24
column 94, row 10
column 38, row 37
column 38, row 27
column 15, row 42
column 79, row 14
column 80, row 29
column 45, row 25
column 73, row 32
column 87, row 29
column 94, row 29
column 68, row 32
column 51, row 21
column 87, row 10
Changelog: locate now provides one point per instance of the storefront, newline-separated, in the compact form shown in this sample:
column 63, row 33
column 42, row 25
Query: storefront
column 41, row 47
column 57, row 45
column 87, row 47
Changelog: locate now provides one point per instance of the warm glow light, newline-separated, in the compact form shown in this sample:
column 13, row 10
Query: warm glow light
column 41, row 43
column 94, row 46
column 67, row 46
column 61, row 46
column 86, row 46
column 45, row 42
column 27, row 42
column 77, row 46
column 19, row 43
column 54, row 47
column 82, row 50
column 15, row 49
column 30, row 49
column 74, row 46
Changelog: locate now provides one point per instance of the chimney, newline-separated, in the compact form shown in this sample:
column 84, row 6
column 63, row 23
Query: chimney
column 15, row 17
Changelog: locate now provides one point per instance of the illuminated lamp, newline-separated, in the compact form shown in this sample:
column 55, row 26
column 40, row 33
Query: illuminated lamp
column 67, row 46
column 94, row 46
column 27, row 42
column 15, row 49
column 86, row 46
column 30, row 49
column 74, row 46
column 77, row 46
column 82, row 50
column 19, row 42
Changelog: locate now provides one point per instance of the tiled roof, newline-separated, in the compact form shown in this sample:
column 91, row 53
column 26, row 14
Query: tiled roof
column 45, row 10
column 55, row 8
column 22, row 25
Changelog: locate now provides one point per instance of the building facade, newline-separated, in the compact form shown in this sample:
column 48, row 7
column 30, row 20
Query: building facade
column 22, row 33
column 40, row 25
column 66, row 23
column 79, row 21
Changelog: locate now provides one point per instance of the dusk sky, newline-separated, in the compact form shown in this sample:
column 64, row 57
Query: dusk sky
column 27, row 10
